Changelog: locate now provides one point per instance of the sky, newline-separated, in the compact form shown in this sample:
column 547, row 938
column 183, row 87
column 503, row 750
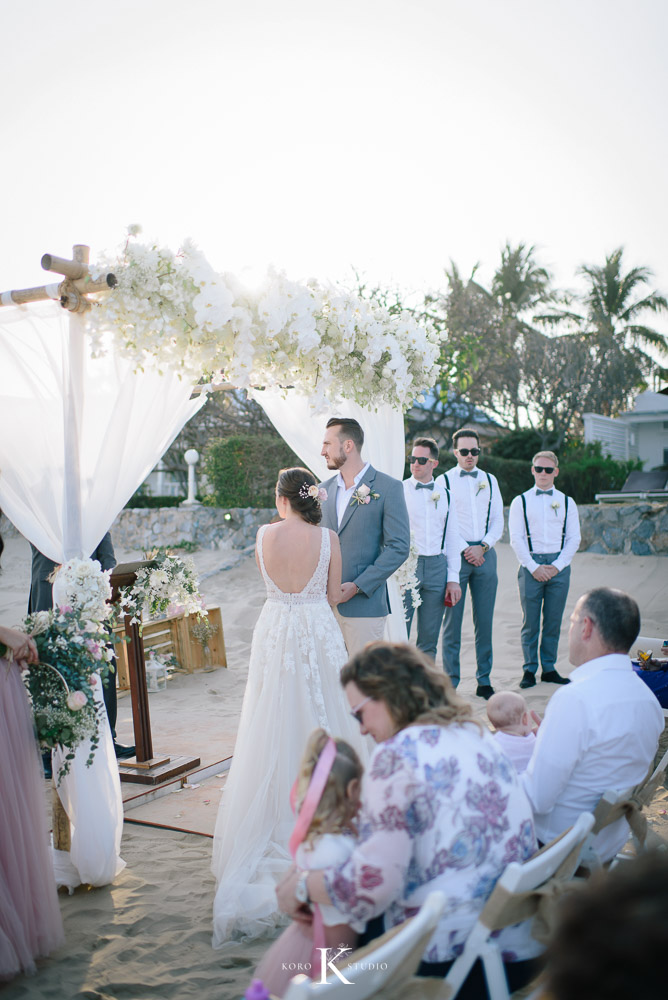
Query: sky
column 389, row 136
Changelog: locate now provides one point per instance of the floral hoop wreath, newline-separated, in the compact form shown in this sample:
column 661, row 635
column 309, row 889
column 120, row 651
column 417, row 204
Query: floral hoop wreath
column 313, row 492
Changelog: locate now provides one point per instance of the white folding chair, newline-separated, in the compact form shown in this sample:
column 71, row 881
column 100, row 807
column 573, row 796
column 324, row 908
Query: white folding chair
column 629, row 804
column 384, row 968
column 519, row 894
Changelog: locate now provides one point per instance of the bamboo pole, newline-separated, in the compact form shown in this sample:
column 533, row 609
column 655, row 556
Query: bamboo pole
column 72, row 291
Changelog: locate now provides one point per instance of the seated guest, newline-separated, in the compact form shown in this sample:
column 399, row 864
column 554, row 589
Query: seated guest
column 508, row 713
column 599, row 732
column 610, row 943
column 442, row 809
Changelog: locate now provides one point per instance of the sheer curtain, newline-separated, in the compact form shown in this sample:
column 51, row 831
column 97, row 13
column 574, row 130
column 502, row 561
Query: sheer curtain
column 78, row 435
column 302, row 426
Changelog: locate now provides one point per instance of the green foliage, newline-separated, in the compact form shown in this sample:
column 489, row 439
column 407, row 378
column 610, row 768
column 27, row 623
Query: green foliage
column 585, row 471
column 242, row 470
column 522, row 445
column 139, row 499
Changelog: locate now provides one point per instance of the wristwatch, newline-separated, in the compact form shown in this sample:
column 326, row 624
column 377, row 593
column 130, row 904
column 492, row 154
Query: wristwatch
column 301, row 889
column 485, row 548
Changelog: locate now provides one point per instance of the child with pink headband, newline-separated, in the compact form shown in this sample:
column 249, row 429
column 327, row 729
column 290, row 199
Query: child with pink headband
column 327, row 793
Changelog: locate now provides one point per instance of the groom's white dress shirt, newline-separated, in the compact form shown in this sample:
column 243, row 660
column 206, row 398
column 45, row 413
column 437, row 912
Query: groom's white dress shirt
column 471, row 498
column 344, row 495
column 427, row 516
column 600, row 732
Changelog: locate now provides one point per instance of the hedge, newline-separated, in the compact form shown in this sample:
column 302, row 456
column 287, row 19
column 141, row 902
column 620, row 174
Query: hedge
column 242, row 470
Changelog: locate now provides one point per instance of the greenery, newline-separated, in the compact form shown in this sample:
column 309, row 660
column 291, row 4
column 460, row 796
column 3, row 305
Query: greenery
column 514, row 476
column 242, row 470
column 145, row 500
column 584, row 471
column 522, row 445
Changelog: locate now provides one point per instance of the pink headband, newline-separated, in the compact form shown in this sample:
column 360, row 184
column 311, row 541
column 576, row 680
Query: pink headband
column 313, row 795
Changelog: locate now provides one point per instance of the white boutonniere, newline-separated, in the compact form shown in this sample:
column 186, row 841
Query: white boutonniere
column 481, row 487
column 555, row 505
column 435, row 497
column 364, row 494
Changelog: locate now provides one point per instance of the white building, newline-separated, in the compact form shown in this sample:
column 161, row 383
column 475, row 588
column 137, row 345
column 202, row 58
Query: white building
column 639, row 433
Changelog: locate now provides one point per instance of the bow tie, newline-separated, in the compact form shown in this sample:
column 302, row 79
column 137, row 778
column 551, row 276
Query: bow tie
column 474, row 474
column 547, row 493
column 424, row 486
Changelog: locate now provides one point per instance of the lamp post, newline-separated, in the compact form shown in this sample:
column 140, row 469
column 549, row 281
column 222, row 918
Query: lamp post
column 191, row 457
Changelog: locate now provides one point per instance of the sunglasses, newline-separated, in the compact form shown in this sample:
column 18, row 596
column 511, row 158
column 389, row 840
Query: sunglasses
column 356, row 712
column 420, row 460
column 469, row 451
column 544, row 468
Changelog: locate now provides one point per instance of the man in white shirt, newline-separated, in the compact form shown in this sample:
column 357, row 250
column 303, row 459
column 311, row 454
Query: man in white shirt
column 544, row 532
column 600, row 732
column 435, row 530
column 479, row 505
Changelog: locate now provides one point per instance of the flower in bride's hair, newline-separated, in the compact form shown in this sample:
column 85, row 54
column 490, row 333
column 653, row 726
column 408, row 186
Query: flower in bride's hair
column 311, row 491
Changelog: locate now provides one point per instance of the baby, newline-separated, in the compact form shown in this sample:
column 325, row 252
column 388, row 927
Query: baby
column 508, row 713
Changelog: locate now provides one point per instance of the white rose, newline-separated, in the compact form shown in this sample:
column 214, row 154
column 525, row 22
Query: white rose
column 363, row 490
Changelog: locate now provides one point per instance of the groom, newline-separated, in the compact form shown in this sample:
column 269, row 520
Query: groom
column 368, row 510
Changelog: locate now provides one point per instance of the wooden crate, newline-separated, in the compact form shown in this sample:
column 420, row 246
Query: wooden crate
column 171, row 636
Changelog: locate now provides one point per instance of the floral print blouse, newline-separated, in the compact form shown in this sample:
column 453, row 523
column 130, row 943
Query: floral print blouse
column 442, row 808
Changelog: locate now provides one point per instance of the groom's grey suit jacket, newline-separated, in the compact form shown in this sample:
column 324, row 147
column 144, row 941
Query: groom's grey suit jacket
column 375, row 541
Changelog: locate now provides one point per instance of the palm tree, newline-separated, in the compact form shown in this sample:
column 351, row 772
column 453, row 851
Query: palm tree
column 613, row 306
column 519, row 282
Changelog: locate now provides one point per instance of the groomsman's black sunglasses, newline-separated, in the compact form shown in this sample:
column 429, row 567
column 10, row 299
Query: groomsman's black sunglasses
column 544, row 468
column 419, row 459
column 469, row 451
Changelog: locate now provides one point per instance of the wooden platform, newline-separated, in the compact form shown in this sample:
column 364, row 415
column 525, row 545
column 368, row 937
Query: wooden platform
column 154, row 772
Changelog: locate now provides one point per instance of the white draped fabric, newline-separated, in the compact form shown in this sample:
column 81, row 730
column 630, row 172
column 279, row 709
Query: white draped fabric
column 303, row 427
column 78, row 436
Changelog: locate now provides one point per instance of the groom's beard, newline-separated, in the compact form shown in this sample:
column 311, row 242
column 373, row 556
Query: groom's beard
column 336, row 461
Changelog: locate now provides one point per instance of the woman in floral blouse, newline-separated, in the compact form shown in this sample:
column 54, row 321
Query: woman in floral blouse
column 442, row 809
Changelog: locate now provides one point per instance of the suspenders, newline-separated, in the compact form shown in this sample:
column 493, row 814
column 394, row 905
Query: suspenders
column 445, row 526
column 526, row 523
column 489, row 505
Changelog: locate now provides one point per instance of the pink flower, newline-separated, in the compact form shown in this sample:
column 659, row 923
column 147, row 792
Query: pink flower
column 322, row 495
column 94, row 648
column 64, row 608
column 367, row 499
column 76, row 700
column 363, row 490
column 92, row 680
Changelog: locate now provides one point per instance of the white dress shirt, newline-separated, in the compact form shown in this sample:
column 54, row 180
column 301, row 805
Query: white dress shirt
column 545, row 514
column 600, row 732
column 472, row 500
column 344, row 495
column 427, row 511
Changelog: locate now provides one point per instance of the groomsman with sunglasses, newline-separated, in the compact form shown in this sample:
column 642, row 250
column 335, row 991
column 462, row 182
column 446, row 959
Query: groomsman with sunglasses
column 477, row 499
column 544, row 531
column 435, row 530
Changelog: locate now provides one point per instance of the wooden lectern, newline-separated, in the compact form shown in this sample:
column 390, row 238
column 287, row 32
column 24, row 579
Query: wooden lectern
column 147, row 768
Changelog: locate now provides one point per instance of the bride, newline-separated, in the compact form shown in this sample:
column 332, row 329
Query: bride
column 293, row 688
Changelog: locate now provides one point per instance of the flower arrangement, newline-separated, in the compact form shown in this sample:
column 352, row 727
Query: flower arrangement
column 555, row 505
column 81, row 583
column 482, row 485
column 163, row 589
column 406, row 577
column 435, row 497
column 74, row 653
column 363, row 495
column 176, row 311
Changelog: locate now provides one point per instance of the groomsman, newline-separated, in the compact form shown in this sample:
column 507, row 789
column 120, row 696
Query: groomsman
column 545, row 534
column 479, row 505
column 435, row 530
column 368, row 510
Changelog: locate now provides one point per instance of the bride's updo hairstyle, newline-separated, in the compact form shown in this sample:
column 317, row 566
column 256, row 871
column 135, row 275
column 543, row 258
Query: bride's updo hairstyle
column 415, row 692
column 293, row 484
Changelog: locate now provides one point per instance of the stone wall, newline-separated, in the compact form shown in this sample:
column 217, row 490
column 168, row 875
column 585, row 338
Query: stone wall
column 636, row 528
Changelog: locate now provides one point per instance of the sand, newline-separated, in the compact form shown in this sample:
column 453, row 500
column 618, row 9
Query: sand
column 148, row 935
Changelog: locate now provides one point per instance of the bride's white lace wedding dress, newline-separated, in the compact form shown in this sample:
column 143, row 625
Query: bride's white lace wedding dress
column 293, row 687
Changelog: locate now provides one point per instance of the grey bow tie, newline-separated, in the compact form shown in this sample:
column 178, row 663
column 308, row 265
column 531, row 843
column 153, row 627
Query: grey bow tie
column 547, row 493
column 474, row 474
column 424, row 486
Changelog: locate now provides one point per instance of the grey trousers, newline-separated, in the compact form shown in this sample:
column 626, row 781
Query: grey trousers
column 432, row 577
column 546, row 599
column 482, row 582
